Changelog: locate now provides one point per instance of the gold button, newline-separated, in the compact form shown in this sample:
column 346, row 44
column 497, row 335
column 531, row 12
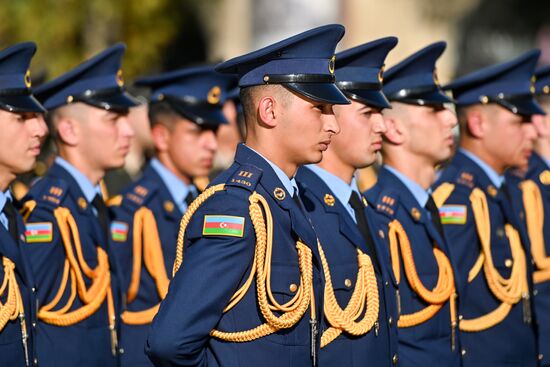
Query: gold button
column 508, row 263
column 347, row 283
column 293, row 287
column 381, row 233
column 387, row 284
column 500, row 232
column 460, row 317
column 395, row 359
column 535, row 292
column 390, row 321
column 463, row 352
column 541, row 357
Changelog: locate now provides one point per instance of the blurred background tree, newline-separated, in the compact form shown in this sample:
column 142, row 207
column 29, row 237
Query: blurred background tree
column 160, row 34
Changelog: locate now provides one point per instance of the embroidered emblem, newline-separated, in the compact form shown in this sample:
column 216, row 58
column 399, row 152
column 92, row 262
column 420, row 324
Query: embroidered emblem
column 453, row 214
column 119, row 231
column 223, row 225
column 39, row 232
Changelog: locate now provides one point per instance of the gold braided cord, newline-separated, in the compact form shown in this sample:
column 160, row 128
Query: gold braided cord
column 293, row 310
column 364, row 295
column 147, row 249
column 444, row 289
column 508, row 291
column 187, row 217
column 13, row 307
column 76, row 268
column 534, row 217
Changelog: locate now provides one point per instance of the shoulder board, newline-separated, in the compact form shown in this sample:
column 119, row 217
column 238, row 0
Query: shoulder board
column 386, row 203
column 48, row 191
column 245, row 176
column 137, row 195
column 454, row 175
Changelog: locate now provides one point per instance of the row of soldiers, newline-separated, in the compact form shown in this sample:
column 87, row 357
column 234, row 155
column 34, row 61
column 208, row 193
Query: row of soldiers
column 281, row 260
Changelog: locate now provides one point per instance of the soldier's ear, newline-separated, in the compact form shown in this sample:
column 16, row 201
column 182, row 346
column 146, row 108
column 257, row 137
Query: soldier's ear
column 476, row 123
column 160, row 136
column 267, row 111
column 394, row 133
column 68, row 131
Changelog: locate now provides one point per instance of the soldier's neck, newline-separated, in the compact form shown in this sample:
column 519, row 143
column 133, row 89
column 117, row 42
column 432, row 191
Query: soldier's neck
column 477, row 148
column 542, row 147
column 274, row 155
column 164, row 158
column 334, row 165
column 417, row 169
column 6, row 178
column 88, row 169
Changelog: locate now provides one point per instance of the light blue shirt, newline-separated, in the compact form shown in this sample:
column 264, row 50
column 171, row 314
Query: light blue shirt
column 495, row 178
column 341, row 189
column 288, row 183
column 4, row 197
column 177, row 188
column 417, row 191
column 86, row 186
column 547, row 161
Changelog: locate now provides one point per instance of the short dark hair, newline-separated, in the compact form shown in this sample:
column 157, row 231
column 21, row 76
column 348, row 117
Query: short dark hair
column 161, row 113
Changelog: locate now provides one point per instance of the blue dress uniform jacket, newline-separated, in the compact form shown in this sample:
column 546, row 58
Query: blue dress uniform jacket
column 215, row 266
column 510, row 342
column 429, row 343
column 147, row 193
column 340, row 238
column 539, row 173
column 12, row 347
column 89, row 341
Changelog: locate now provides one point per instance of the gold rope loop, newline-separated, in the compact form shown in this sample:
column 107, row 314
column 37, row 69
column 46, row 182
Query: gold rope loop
column 147, row 249
column 534, row 217
column 292, row 311
column 444, row 288
column 508, row 291
column 365, row 295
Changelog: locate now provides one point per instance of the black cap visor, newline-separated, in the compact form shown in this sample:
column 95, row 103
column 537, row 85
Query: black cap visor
column 372, row 98
column 319, row 92
column 21, row 103
column 204, row 115
column 525, row 106
column 119, row 101
column 429, row 98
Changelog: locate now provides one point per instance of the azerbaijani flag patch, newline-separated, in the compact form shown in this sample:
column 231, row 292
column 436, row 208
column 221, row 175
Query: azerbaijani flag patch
column 453, row 214
column 38, row 232
column 119, row 231
column 223, row 225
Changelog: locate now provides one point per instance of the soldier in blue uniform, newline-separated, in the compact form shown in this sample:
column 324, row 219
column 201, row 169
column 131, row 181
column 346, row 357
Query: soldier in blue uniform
column 75, row 272
column 418, row 138
column 185, row 112
column 360, row 303
column 23, row 128
column 534, row 202
column 489, row 245
column 248, row 284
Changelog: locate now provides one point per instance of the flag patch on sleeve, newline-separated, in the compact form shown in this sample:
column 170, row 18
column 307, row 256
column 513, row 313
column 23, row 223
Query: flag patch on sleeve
column 223, row 225
column 453, row 214
column 119, row 231
column 38, row 232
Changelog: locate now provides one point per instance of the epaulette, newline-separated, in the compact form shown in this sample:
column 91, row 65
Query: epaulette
column 246, row 176
column 465, row 178
column 386, row 203
column 48, row 192
column 138, row 195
